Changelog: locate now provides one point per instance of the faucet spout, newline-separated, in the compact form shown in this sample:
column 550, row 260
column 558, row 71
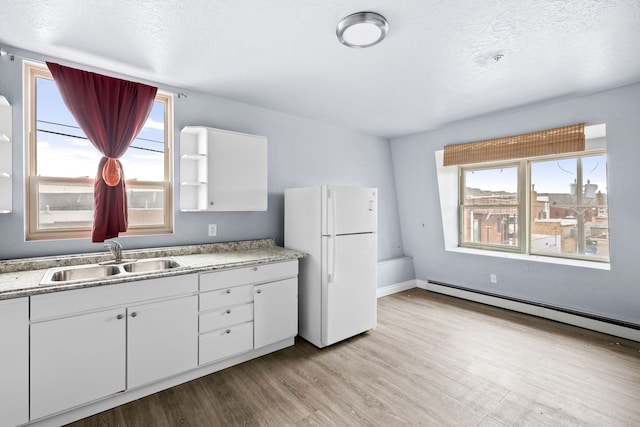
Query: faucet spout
column 115, row 248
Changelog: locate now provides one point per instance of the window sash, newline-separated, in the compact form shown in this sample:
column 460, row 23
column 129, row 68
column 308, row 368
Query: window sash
column 578, row 231
column 37, row 232
column 469, row 236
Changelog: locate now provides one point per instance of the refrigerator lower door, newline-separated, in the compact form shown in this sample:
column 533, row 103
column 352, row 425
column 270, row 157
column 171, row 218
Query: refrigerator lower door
column 349, row 304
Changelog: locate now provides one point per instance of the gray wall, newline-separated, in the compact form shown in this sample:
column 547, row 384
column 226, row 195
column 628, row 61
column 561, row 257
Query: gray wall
column 615, row 293
column 301, row 152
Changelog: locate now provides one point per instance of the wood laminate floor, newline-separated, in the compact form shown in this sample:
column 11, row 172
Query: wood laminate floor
column 433, row 360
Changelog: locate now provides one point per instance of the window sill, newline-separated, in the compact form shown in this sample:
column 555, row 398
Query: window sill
column 534, row 258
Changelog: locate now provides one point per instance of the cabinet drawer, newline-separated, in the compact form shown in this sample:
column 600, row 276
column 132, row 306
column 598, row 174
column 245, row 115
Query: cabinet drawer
column 226, row 317
column 242, row 276
column 226, row 297
column 225, row 342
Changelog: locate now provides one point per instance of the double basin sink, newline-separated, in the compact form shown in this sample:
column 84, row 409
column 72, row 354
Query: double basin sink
column 88, row 272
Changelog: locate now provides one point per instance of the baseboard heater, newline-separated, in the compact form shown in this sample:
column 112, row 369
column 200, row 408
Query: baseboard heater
column 585, row 320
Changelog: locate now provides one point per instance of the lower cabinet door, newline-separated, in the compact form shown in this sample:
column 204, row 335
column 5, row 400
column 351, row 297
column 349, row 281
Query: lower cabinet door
column 76, row 360
column 162, row 339
column 223, row 343
column 14, row 361
column 275, row 311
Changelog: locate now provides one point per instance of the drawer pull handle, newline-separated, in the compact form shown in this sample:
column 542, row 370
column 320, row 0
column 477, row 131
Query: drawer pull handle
column 255, row 268
column 228, row 311
column 228, row 331
column 119, row 316
column 228, row 291
column 134, row 314
column 259, row 291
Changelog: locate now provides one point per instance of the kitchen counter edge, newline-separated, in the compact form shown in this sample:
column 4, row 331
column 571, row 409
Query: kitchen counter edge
column 198, row 259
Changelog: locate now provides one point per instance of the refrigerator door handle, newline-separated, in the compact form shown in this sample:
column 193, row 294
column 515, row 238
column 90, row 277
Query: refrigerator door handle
column 331, row 235
column 331, row 259
column 333, row 212
column 332, row 195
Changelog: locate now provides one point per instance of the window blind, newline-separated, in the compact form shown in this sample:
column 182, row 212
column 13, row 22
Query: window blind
column 560, row 140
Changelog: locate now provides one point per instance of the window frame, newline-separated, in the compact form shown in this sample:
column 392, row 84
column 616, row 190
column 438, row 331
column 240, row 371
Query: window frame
column 524, row 204
column 462, row 205
column 35, row 70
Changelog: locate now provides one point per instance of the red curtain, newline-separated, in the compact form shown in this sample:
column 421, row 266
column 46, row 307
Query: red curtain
column 111, row 112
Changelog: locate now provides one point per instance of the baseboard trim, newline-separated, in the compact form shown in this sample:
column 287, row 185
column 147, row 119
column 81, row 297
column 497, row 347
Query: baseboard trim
column 395, row 288
column 534, row 310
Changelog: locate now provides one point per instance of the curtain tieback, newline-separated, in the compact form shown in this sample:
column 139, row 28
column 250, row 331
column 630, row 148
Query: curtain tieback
column 111, row 172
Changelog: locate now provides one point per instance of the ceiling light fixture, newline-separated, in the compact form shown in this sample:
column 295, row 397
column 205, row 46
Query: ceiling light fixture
column 362, row 29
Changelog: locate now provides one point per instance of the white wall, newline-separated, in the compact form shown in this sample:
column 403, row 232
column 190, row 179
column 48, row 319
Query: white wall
column 301, row 152
column 611, row 293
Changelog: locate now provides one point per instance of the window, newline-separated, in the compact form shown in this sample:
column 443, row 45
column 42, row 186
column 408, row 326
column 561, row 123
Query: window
column 62, row 164
column 490, row 204
column 569, row 207
column 551, row 205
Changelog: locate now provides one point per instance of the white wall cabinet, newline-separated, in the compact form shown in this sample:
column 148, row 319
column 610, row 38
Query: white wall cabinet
column 83, row 357
column 14, row 361
column 5, row 156
column 221, row 170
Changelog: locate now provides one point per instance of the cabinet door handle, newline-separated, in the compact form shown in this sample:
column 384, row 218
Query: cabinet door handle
column 228, row 291
column 228, row 331
column 228, row 311
column 134, row 314
column 259, row 291
column 119, row 316
column 255, row 268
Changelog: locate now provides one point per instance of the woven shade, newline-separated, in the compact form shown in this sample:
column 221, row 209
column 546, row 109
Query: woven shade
column 566, row 139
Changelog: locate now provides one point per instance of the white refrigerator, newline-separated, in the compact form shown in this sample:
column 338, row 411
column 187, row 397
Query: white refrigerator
column 335, row 226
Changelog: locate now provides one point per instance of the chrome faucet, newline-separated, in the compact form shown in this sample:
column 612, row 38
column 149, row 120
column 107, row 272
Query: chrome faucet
column 115, row 248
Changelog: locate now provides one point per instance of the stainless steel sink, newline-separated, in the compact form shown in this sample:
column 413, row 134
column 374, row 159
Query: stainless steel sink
column 148, row 265
column 90, row 272
column 67, row 274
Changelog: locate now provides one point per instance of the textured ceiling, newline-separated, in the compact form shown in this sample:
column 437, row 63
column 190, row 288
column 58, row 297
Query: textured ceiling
column 434, row 67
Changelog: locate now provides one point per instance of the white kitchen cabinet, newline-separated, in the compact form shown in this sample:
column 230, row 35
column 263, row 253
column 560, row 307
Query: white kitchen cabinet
column 76, row 360
column 90, row 343
column 247, row 308
column 14, row 361
column 158, row 336
column 275, row 311
column 225, row 320
column 5, row 156
column 221, row 170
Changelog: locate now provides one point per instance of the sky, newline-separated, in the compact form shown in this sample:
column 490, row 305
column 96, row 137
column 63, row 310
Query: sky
column 547, row 176
column 65, row 156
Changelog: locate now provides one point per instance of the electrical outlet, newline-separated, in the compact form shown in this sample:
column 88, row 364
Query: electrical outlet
column 494, row 278
column 213, row 230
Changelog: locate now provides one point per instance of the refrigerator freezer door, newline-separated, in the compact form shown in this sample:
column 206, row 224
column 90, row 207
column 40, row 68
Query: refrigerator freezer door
column 349, row 286
column 349, row 210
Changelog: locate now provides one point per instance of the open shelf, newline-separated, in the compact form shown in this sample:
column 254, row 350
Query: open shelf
column 6, row 156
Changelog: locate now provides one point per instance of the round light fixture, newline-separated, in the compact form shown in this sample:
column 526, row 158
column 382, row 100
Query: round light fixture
column 362, row 29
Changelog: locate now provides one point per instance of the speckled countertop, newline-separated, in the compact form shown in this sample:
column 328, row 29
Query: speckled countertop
column 22, row 277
